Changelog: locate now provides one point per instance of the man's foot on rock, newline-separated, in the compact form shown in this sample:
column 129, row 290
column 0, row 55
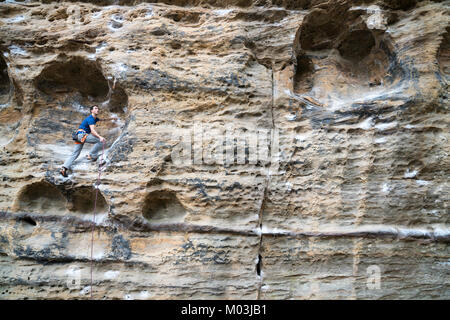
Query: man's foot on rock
column 90, row 158
column 63, row 172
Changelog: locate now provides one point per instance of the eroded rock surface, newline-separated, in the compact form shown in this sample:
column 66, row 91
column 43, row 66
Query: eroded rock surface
column 331, row 119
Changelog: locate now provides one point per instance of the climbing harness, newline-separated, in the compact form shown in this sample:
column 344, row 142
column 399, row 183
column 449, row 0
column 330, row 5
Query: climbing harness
column 75, row 136
column 95, row 207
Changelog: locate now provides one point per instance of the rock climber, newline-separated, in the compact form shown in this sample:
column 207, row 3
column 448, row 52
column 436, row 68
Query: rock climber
column 86, row 133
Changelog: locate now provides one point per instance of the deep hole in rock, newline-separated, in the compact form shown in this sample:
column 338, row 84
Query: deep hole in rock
column 163, row 206
column 83, row 201
column 357, row 45
column 41, row 197
column 338, row 58
column 303, row 74
column 5, row 83
column 74, row 75
column 76, row 80
column 321, row 28
column 258, row 265
column 28, row 220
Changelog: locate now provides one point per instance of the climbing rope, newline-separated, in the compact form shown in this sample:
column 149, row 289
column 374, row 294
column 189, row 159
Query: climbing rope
column 95, row 208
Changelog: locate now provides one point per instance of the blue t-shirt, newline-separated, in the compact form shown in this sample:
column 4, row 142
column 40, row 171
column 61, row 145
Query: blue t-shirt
column 87, row 122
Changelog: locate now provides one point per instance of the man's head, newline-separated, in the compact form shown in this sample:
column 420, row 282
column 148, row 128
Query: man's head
column 94, row 110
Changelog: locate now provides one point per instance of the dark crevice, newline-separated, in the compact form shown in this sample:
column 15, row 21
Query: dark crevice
column 265, row 190
column 29, row 221
column 260, row 215
column 258, row 265
column 356, row 45
column 321, row 27
column 5, row 83
column 304, row 69
column 444, row 55
column 127, row 223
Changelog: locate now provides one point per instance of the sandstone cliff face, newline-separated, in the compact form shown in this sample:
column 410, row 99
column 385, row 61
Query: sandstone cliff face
column 263, row 149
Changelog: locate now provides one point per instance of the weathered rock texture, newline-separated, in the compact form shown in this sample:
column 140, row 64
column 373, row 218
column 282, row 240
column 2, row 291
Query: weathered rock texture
column 353, row 205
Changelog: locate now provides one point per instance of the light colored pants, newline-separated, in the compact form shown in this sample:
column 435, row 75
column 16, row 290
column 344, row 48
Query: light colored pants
column 78, row 147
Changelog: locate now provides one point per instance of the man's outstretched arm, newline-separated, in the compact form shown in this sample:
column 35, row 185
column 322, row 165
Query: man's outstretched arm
column 109, row 119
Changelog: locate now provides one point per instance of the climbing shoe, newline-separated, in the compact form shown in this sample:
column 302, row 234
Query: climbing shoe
column 90, row 158
column 63, row 172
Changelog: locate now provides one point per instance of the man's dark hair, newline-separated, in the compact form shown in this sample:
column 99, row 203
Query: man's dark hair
column 92, row 107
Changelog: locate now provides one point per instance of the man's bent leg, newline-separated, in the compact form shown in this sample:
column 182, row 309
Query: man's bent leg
column 76, row 152
column 97, row 146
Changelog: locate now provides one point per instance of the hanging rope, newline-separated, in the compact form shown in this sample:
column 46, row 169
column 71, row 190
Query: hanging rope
column 95, row 208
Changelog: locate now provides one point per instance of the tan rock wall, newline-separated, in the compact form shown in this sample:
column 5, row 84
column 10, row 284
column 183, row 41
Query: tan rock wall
column 330, row 119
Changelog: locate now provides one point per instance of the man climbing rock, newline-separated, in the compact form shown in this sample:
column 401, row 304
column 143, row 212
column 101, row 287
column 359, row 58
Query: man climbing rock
column 86, row 133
